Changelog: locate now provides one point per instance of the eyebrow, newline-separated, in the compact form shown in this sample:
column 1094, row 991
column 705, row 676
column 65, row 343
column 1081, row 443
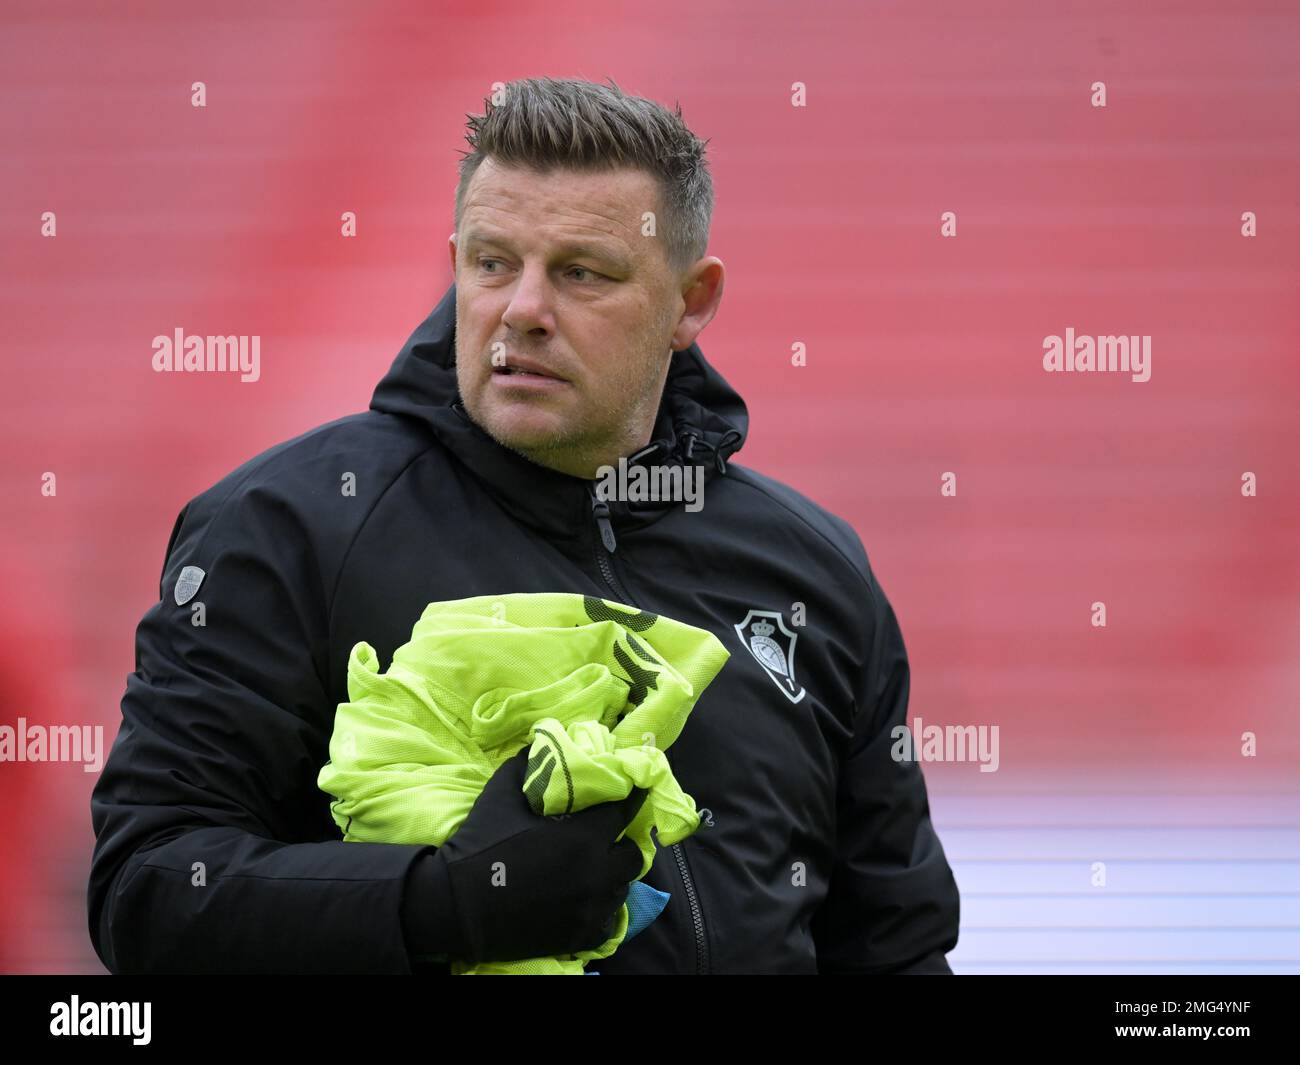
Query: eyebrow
column 595, row 251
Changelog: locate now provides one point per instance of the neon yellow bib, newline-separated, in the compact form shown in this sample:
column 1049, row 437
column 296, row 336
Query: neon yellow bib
column 590, row 684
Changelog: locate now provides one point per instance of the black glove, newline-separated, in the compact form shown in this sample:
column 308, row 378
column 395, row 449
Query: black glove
column 564, row 877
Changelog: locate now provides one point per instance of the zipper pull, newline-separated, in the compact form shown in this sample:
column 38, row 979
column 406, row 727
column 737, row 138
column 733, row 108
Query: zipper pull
column 601, row 510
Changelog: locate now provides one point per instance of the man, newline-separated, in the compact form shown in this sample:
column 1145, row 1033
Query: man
column 566, row 344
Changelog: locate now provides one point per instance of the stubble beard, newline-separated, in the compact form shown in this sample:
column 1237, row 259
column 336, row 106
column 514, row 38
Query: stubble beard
column 582, row 447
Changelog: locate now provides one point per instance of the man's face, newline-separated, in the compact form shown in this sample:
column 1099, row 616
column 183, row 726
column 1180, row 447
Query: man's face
column 554, row 276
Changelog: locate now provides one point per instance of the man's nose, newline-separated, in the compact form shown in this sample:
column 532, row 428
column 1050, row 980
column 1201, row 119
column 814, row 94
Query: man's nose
column 530, row 302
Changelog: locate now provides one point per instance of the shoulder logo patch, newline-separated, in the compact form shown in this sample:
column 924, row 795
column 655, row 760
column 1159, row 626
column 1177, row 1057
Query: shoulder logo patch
column 187, row 584
column 773, row 648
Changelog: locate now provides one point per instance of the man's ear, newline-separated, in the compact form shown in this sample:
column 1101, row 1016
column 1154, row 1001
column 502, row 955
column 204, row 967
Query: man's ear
column 451, row 247
column 701, row 294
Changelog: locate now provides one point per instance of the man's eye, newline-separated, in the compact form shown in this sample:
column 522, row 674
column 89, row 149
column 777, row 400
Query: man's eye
column 584, row 270
column 484, row 262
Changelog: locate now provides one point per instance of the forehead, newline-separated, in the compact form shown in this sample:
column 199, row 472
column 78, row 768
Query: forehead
column 561, row 201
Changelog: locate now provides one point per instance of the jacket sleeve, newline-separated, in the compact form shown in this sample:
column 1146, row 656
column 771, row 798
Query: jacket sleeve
column 214, row 848
column 892, row 904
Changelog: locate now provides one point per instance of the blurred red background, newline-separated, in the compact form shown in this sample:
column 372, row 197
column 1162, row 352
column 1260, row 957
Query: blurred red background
column 924, row 356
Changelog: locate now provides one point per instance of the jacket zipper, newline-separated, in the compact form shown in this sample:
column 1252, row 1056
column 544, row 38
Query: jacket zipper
column 605, row 529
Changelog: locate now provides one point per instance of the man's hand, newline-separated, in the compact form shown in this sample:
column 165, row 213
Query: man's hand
column 525, row 886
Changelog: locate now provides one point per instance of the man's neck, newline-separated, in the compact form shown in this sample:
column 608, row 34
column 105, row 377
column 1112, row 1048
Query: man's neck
column 587, row 463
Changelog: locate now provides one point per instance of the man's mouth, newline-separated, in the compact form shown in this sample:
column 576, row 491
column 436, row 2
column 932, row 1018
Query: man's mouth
column 525, row 370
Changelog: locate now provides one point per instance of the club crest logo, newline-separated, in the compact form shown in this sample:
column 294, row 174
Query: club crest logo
column 772, row 645
column 187, row 584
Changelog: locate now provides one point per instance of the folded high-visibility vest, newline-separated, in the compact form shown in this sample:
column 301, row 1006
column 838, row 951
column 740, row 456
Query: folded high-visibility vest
column 597, row 690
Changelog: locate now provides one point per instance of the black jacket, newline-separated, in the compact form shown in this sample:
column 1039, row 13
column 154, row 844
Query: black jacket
column 215, row 850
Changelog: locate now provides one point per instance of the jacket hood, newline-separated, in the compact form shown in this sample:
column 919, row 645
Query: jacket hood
column 701, row 420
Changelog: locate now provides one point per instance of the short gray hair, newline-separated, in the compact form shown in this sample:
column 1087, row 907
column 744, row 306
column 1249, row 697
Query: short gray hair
column 546, row 123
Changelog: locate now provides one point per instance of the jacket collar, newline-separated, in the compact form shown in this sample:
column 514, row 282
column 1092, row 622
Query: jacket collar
column 701, row 421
